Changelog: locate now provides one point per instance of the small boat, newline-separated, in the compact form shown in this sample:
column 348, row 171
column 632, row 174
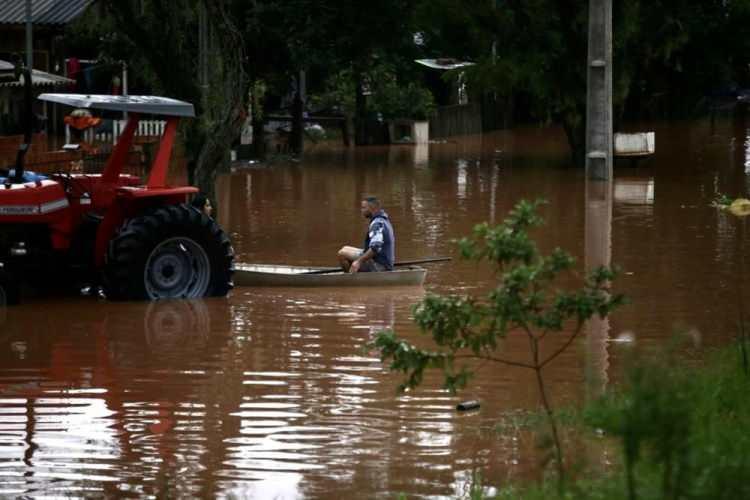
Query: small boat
column 298, row 276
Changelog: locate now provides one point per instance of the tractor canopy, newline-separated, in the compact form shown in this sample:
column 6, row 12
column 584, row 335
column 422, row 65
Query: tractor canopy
column 144, row 104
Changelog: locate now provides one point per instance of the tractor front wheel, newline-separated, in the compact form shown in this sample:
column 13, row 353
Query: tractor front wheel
column 173, row 252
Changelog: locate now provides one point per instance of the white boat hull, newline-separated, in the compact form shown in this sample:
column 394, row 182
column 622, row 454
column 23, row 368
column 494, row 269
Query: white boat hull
column 297, row 276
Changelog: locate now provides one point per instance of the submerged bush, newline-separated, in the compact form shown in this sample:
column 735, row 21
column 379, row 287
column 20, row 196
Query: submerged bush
column 682, row 432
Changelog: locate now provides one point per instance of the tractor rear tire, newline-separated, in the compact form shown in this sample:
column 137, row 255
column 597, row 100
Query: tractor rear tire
column 173, row 252
column 10, row 290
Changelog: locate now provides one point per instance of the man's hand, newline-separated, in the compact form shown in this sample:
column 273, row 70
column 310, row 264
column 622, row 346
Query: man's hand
column 354, row 268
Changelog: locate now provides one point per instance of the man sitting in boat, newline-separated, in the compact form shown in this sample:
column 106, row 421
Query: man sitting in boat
column 379, row 250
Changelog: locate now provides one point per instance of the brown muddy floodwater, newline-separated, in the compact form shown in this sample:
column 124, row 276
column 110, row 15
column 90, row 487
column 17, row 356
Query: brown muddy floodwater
column 271, row 393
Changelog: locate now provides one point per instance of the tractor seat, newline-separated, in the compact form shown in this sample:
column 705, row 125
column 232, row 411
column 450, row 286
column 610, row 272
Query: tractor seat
column 27, row 177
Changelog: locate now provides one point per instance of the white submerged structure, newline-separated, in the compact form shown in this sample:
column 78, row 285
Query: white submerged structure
column 299, row 276
column 635, row 145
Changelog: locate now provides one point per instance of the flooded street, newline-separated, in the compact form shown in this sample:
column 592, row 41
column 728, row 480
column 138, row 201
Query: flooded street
column 272, row 393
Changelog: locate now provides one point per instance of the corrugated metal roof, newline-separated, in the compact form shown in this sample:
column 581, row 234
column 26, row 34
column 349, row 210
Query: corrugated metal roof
column 53, row 12
column 7, row 72
column 38, row 79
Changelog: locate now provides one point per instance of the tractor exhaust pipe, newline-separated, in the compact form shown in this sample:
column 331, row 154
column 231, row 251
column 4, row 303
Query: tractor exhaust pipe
column 28, row 125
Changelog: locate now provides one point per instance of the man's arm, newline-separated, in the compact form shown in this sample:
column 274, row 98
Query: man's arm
column 377, row 238
column 369, row 254
column 376, row 246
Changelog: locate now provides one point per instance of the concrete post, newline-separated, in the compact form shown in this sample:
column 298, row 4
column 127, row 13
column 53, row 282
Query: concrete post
column 599, row 92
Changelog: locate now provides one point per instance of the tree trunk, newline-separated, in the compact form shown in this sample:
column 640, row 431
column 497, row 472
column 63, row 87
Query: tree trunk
column 346, row 127
column 227, row 98
column 256, row 100
column 296, row 142
column 158, row 32
column 575, row 130
column 212, row 160
column 259, row 140
column 360, row 133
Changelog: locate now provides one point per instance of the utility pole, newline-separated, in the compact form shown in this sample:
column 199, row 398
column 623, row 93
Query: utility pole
column 598, row 237
column 29, row 36
column 599, row 92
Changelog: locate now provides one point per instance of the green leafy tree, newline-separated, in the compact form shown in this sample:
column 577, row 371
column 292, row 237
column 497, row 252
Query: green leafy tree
column 668, row 55
column 337, row 43
column 163, row 38
column 361, row 35
column 393, row 100
column 538, row 60
column 524, row 302
column 392, row 97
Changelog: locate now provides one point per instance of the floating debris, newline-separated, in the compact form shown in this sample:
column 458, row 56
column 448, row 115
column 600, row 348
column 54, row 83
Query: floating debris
column 625, row 337
column 740, row 207
column 468, row 405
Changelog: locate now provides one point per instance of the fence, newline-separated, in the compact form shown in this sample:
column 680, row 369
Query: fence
column 110, row 134
column 461, row 119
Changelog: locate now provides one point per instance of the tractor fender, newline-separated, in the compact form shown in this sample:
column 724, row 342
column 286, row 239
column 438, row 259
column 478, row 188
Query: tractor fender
column 130, row 202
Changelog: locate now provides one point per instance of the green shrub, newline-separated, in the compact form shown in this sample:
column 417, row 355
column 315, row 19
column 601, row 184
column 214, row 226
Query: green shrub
column 526, row 300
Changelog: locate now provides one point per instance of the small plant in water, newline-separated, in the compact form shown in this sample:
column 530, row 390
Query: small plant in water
column 524, row 301
column 721, row 201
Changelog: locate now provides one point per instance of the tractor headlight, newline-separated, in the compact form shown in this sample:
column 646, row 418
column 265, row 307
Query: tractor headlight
column 19, row 249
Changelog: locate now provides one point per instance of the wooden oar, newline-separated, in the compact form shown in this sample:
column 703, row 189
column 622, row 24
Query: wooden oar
column 421, row 261
column 329, row 270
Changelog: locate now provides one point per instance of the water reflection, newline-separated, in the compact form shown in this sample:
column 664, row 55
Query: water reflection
column 172, row 323
column 70, row 411
column 182, row 388
column 421, row 155
column 634, row 191
column 274, row 393
column 290, row 423
column 598, row 254
column 461, row 172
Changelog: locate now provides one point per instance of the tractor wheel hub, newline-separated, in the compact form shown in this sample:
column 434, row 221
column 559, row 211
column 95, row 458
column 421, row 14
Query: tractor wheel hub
column 177, row 267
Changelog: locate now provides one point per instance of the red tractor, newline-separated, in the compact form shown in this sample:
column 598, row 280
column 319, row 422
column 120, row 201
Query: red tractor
column 139, row 241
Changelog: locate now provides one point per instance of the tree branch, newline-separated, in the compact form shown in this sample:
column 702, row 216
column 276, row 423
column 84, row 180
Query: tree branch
column 563, row 347
column 496, row 360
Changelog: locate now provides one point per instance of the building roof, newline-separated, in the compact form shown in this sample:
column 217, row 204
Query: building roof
column 7, row 72
column 50, row 12
column 38, row 78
